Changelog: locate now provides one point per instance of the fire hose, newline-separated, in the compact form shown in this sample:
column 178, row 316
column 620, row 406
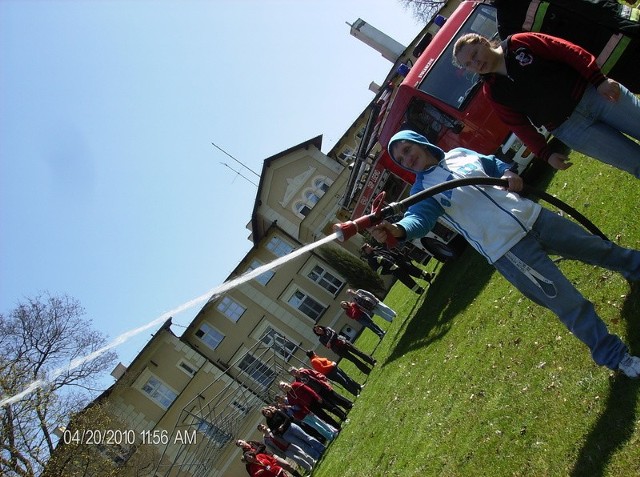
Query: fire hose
column 380, row 212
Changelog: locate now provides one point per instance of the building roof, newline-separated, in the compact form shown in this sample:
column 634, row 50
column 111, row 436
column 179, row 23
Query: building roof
column 257, row 233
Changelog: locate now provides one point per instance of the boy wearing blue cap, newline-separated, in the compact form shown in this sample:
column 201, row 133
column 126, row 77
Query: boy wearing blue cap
column 514, row 234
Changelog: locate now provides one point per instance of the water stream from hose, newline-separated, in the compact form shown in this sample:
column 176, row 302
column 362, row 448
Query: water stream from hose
column 210, row 295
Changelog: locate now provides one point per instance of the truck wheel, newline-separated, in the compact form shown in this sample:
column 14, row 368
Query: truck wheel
column 440, row 251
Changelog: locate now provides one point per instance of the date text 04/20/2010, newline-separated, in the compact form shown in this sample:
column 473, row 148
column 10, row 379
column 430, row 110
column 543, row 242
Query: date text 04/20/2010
column 127, row 437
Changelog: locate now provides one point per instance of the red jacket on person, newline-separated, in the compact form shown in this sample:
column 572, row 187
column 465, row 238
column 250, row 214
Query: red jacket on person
column 267, row 467
column 547, row 77
column 353, row 311
column 302, row 395
column 316, row 376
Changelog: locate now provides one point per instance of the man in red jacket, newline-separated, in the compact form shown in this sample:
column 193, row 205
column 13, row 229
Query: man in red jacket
column 320, row 384
column 302, row 395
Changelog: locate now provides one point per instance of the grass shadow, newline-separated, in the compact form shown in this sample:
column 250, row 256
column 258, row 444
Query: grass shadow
column 457, row 284
column 616, row 425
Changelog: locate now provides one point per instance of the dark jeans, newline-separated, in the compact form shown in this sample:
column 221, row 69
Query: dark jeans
column 346, row 350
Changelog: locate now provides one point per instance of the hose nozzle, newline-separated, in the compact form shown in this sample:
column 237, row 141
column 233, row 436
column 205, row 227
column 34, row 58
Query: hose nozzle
column 345, row 230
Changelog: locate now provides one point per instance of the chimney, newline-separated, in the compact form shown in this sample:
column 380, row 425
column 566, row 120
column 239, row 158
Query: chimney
column 118, row 371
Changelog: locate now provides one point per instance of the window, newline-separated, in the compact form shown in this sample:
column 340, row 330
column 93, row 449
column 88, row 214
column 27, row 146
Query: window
column 210, row 335
column 445, row 81
column 311, row 197
column 119, row 454
column 346, row 154
column 306, row 305
column 187, row 367
column 280, row 343
column 302, row 209
column 263, row 278
column 244, row 409
column 325, row 279
column 257, row 370
column 159, row 392
column 216, row 435
column 279, row 247
column 321, row 184
column 231, row 308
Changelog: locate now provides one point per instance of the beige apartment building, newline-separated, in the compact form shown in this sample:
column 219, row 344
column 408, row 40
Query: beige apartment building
column 191, row 396
column 201, row 391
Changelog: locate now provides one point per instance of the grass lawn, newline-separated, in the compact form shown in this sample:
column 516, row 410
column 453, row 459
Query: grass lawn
column 475, row 380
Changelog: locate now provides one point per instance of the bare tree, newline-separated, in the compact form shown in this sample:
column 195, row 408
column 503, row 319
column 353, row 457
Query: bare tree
column 38, row 340
column 423, row 10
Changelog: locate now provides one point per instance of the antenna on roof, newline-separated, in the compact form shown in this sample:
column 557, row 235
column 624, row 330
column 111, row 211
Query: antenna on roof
column 238, row 172
column 241, row 163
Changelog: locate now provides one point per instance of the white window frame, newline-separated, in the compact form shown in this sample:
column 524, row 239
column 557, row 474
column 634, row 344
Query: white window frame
column 325, row 270
column 210, row 331
column 156, row 389
column 263, row 278
column 319, row 184
column 295, row 290
column 347, row 153
column 230, row 308
column 266, row 328
column 276, row 245
column 216, row 436
column 264, row 384
column 301, row 209
column 311, row 196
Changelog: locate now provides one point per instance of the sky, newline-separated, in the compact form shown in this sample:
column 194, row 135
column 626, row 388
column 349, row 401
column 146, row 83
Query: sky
column 110, row 189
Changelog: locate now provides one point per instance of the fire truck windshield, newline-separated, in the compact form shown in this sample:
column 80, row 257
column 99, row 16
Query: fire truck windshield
column 446, row 82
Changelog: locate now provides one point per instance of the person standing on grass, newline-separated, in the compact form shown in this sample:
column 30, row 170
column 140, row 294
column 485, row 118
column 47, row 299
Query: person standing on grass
column 370, row 303
column 304, row 421
column 331, row 370
column 302, row 395
column 344, row 348
column 515, row 235
column 305, row 416
column 353, row 311
column 282, row 426
column 260, row 448
column 320, row 384
column 391, row 262
column 532, row 79
column 285, row 449
column 263, row 465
